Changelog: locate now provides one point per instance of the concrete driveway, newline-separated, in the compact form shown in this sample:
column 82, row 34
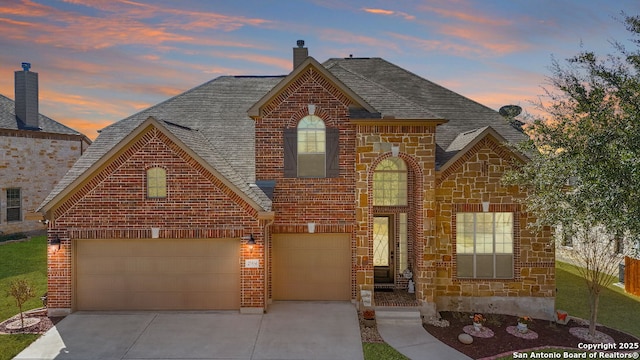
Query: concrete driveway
column 290, row 330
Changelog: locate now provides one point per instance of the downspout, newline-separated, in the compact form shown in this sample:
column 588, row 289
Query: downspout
column 267, row 269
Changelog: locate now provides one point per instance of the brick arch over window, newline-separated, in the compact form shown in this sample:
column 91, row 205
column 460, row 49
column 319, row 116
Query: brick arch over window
column 290, row 144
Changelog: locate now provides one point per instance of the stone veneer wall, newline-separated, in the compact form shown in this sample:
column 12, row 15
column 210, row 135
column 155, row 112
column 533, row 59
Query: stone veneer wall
column 113, row 204
column 417, row 149
column 462, row 187
column 33, row 162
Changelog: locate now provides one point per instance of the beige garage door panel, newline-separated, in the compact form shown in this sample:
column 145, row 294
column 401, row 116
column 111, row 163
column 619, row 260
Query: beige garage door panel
column 158, row 274
column 311, row 266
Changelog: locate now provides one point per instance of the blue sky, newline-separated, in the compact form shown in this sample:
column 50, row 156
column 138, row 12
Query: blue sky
column 102, row 60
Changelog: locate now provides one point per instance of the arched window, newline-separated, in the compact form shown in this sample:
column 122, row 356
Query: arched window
column 390, row 183
column 156, row 183
column 311, row 147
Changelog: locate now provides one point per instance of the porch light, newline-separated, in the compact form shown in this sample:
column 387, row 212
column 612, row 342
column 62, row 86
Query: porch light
column 54, row 244
column 250, row 241
column 395, row 150
column 311, row 227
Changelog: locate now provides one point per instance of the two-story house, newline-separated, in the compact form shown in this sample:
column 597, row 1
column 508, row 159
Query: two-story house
column 35, row 153
column 340, row 176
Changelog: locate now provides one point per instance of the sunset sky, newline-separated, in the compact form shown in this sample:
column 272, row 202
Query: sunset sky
column 102, row 60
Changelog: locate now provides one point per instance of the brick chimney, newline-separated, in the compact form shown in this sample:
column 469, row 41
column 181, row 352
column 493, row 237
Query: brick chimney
column 26, row 97
column 300, row 53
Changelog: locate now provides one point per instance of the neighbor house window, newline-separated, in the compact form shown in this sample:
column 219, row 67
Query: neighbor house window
column 311, row 149
column 156, row 183
column 390, row 183
column 484, row 245
column 13, row 205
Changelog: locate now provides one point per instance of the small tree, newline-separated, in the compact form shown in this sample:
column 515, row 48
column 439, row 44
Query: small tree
column 584, row 168
column 21, row 290
column 597, row 255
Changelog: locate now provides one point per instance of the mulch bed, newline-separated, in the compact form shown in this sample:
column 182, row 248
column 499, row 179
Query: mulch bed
column 549, row 334
column 41, row 327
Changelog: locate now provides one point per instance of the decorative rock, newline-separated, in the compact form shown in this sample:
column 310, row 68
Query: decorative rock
column 465, row 338
column 17, row 324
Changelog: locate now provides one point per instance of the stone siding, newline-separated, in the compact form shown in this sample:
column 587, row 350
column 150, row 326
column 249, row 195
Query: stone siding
column 33, row 162
column 462, row 187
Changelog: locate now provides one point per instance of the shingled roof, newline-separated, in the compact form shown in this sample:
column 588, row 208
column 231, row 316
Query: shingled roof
column 462, row 113
column 218, row 111
column 8, row 120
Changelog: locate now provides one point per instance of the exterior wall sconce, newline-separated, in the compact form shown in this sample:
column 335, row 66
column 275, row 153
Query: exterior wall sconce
column 311, row 227
column 54, row 245
column 311, row 108
column 395, row 150
column 155, row 232
column 485, row 206
column 250, row 241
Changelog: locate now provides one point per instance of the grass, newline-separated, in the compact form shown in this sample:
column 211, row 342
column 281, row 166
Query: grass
column 11, row 345
column 381, row 351
column 27, row 260
column 573, row 297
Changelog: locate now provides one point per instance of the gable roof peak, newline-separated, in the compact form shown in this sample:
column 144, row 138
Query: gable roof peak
column 256, row 110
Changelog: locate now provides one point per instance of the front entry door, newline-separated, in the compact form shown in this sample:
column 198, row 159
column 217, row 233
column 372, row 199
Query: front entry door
column 383, row 250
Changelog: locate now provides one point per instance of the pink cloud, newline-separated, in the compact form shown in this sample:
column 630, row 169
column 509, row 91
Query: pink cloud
column 389, row 13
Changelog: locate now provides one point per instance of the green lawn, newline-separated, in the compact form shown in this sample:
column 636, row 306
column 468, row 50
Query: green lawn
column 381, row 351
column 27, row 260
column 617, row 309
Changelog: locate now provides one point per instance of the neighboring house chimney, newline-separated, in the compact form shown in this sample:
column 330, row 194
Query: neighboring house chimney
column 26, row 99
column 300, row 53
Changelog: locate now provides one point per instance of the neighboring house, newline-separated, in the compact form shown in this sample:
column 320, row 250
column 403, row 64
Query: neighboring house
column 337, row 177
column 35, row 153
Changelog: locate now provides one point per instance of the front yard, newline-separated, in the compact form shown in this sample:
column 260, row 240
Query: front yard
column 27, row 260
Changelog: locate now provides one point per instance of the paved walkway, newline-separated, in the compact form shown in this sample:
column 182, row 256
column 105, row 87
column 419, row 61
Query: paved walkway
column 414, row 342
column 290, row 330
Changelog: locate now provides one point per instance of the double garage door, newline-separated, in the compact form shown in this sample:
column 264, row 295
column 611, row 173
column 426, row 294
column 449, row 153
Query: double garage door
column 157, row 274
column 311, row 267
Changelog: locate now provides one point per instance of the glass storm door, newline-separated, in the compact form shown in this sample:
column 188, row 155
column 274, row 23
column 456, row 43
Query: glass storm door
column 383, row 246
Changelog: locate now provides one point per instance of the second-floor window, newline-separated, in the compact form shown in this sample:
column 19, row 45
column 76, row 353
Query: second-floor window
column 311, row 149
column 156, row 183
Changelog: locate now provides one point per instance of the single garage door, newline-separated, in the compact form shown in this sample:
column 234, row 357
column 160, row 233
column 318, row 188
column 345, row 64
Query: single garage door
column 311, row 267
column 157, row 274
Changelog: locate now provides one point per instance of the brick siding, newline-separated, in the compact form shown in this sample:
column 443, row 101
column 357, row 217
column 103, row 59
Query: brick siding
column 113, row 204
